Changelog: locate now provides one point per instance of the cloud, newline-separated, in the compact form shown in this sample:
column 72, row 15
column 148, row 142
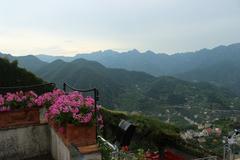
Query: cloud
column 69, row 26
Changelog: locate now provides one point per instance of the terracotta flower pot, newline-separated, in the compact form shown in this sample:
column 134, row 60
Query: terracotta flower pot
column 60, row 130
column 19, row 117
column 53, row 124
column 81, row 135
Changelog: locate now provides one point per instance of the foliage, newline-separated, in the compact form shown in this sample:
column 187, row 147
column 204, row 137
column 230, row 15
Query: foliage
column 105, row 151
column 29, row 99
column 15, row 76
column 48, row 98
column 151, row 134
column 18, row 100
column 71, row 108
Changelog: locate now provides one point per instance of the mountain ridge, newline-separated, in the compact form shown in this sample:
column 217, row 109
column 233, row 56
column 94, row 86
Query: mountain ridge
column 132, row 89
column 41, row 56
column 177, row 65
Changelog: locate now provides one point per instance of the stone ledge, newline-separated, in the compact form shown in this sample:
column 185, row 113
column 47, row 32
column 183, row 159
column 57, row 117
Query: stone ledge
column 88, row 149
column 22, row 126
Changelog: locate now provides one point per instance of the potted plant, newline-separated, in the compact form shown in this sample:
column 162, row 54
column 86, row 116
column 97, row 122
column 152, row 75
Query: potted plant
column 45, row 100
column 76, row 117
column 18, row 109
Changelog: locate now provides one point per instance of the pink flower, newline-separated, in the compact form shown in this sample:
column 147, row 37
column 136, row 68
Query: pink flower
column 86, row 118
column 65, row 109
column 58, row 92
column 89, row 101
column 17, row 100
column 47, row 99
column 74, row 110
column 54, row 111
column 10, row 97
column 100, row 121
column 73, row 105
column 1, row 100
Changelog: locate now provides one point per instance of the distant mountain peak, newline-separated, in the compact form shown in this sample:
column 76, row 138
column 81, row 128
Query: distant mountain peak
column 234, row 45
column 203, row 50
column 149, row 52
column 58, row 61
column 80, row 60
column 237, row 45
column 219, row 47
column 133, row 51
column 110, row 51
column 87, row 62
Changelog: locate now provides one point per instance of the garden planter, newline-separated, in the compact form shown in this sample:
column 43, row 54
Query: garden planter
column 61, row 131
column 81, row 135
column 19, row 117
column 53, row 124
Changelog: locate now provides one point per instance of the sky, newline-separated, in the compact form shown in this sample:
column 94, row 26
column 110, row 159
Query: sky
column 68, row 27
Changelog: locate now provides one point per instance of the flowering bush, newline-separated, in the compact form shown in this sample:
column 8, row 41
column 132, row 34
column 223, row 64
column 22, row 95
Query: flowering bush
column 61, row 107
column 18, row 100
column 72, row 108
column 47, row 99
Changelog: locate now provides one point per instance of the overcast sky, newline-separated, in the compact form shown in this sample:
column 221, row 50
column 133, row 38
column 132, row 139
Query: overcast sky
column 68, row 27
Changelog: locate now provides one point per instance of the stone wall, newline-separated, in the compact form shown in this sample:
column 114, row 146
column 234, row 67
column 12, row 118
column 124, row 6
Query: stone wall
column 24, row 142
column 58, row 149
column 36, row 141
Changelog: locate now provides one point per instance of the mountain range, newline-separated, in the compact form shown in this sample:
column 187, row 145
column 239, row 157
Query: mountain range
column 218, row 66
column 158, row 64
column 29, row 62
column 131, row 89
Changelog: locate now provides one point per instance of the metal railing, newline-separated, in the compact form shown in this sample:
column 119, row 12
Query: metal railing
column 108, row 144
column 38, row 88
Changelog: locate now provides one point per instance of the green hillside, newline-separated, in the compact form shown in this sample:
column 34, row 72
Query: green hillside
column 225, row 74
column 29, row 62
column 141, row 92
column 88, row 74
column 151, row 133
column 12, row 75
